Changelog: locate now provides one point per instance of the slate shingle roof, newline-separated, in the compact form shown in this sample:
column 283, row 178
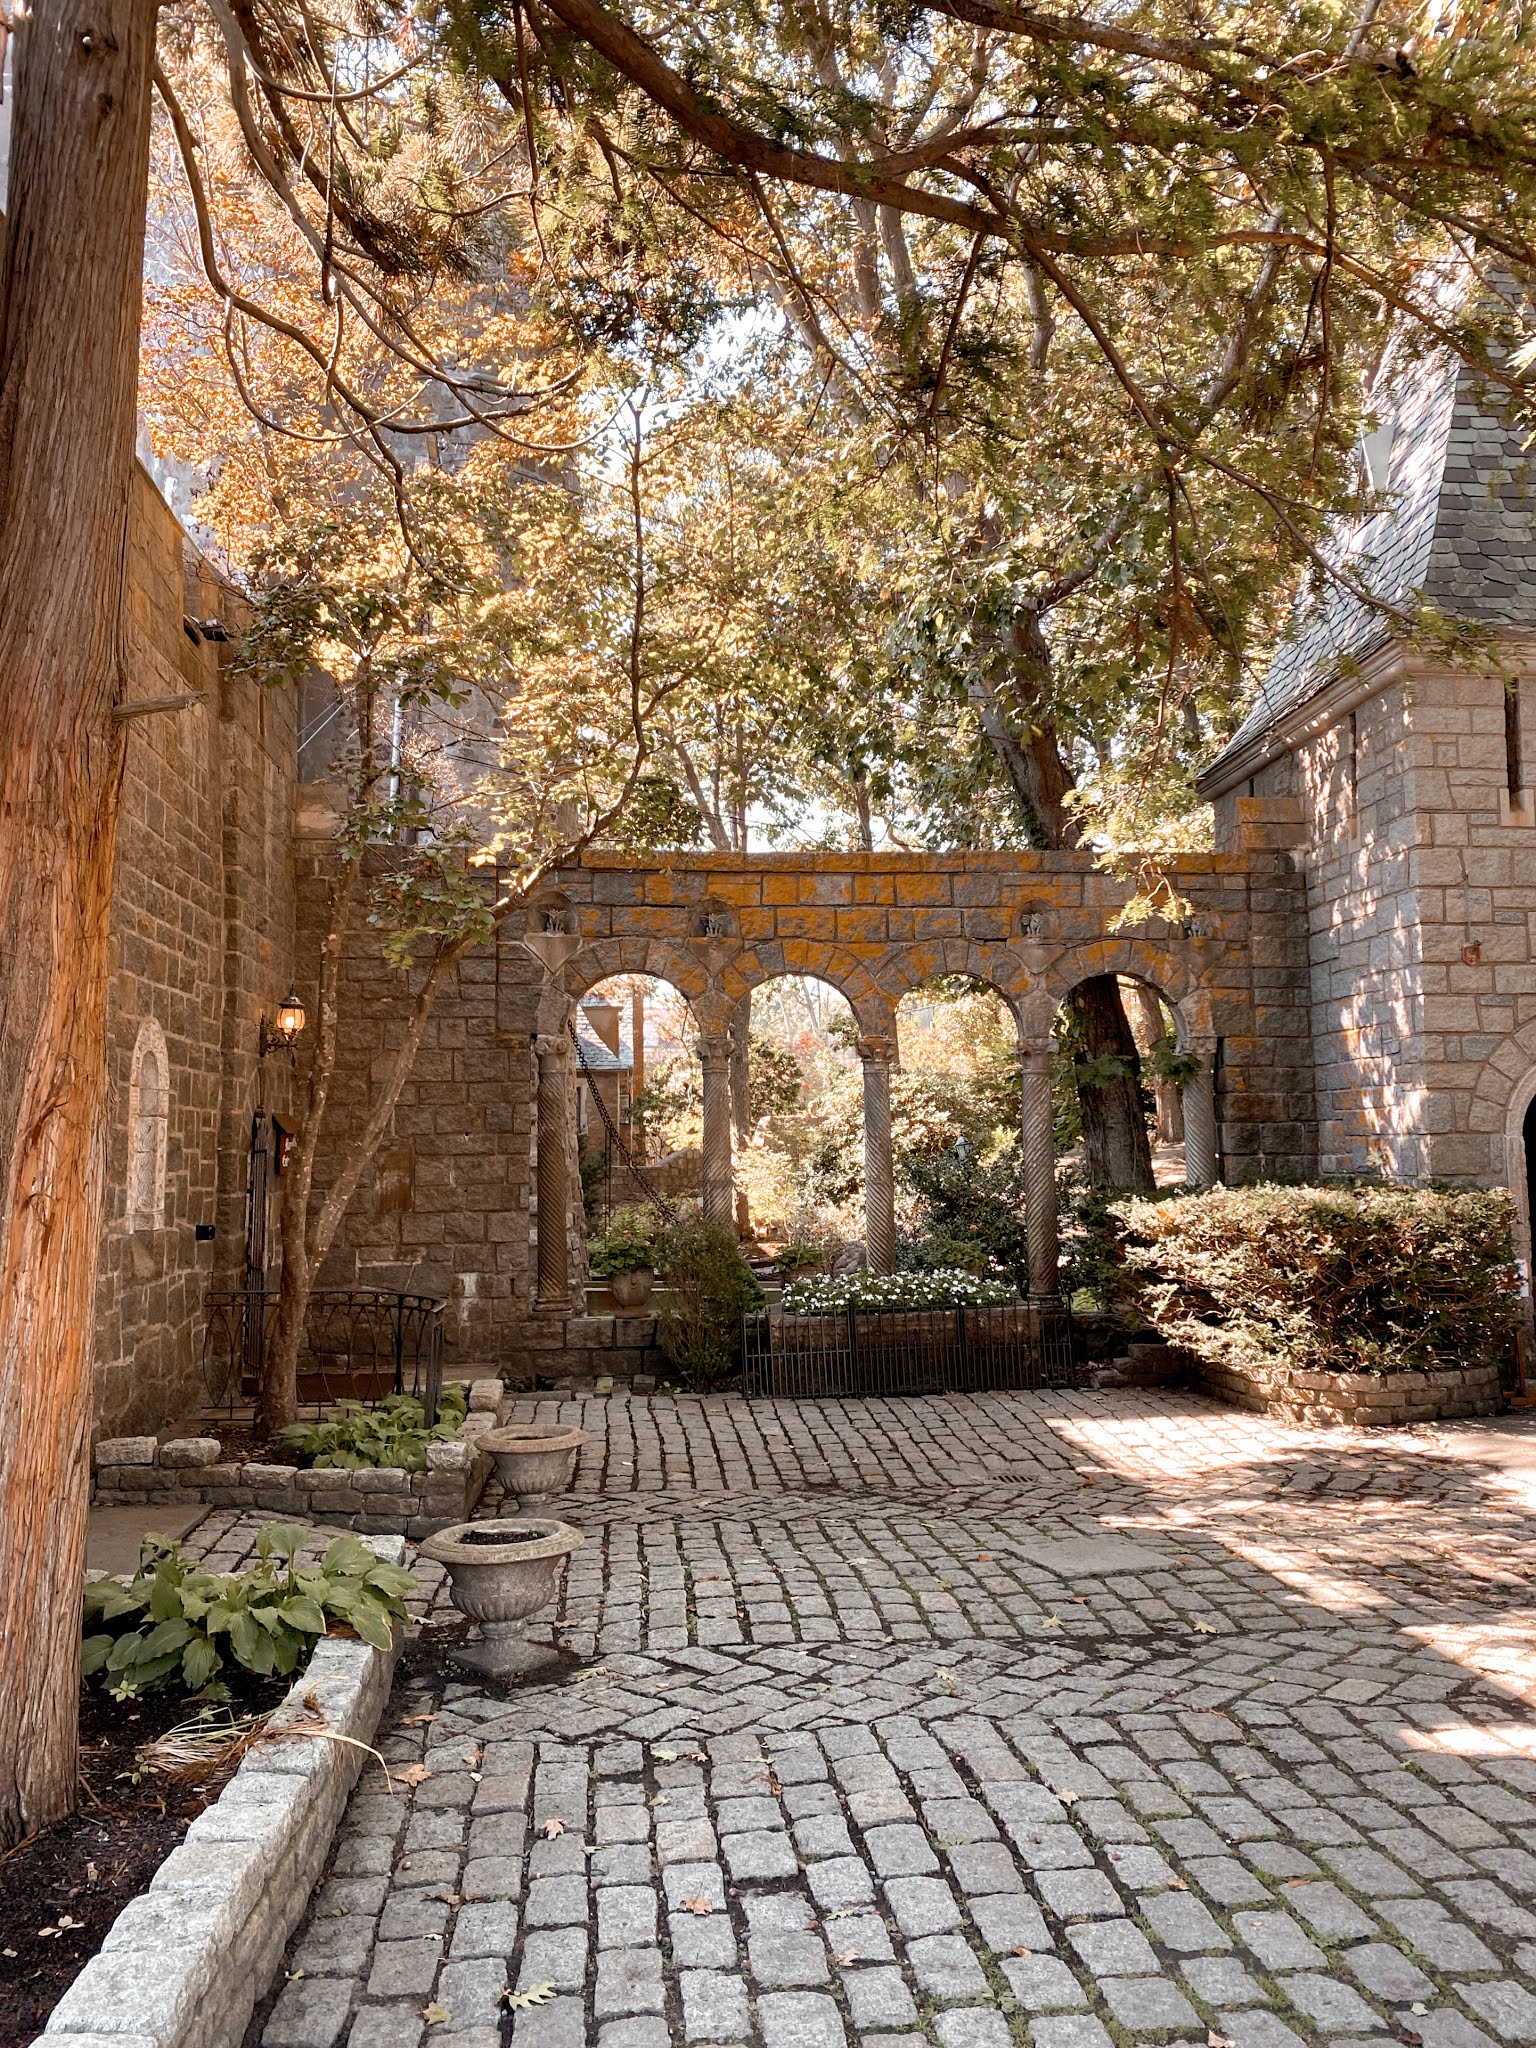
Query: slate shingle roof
column 595, row 1057
column 1460, row 528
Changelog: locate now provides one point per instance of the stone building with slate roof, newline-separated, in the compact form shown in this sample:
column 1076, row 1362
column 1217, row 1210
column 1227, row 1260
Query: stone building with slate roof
column 1352, row 976
column 1405, row 787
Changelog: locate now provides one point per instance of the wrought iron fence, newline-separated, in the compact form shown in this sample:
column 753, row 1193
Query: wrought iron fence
column 911, row 1351
column 360, row 1343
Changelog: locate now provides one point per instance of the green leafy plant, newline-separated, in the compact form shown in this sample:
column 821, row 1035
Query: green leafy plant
column 709, row 1287
column 970, row 1213
column 801, row 1258
column 174, row 1622
column 895, row 1292
column 393, row 1436
column 1341, row 1279
column 628, row 1245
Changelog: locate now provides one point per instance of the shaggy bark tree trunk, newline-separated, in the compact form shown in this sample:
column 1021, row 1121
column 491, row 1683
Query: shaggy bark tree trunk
column 69, row 334
column 1115, row 1148
column 1170, row 1108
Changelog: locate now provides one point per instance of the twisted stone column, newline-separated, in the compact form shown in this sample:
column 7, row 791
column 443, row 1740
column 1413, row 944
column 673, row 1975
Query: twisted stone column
column 1200, row 1118
column 1039, row 1144
column 552, row 1175
column 719, row 1189
column 879, row 1175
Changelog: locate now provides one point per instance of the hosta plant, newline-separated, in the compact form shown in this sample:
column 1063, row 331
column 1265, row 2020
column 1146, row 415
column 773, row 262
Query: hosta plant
column 175, row 1623
column 948, row 1287
column 392, row 1436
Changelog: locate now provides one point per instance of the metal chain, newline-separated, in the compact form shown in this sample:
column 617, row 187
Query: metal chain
column 616, row 1142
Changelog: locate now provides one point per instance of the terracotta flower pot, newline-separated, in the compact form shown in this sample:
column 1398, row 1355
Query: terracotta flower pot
column 499, row 1574
column 632, row 1290
column 534, row 1460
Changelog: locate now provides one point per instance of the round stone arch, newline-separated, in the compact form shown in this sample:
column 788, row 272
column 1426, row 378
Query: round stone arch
column 1188, row 997
column 812, row 960
column 1186, row 994
column 1505, row 1090
column 995, row 968
column 985, row 973
column 605, row 958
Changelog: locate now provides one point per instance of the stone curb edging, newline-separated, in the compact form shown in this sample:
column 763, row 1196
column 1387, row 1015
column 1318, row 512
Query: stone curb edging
column 183, row 1965
column 1372, row 1399
column 371, row 1501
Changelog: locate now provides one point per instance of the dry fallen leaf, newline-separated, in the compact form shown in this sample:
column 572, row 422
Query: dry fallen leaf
column 536, row 1994
column 1051, row 1621
column 417, row 1720
column 849, row 1955
column 1204, row 1628
column 666, row 1756
column 1177, row 1884
column 552, row 1827
column 1020, row 1950
column 435, row 2015
column 1215, row 2040
column 697, row 1905
column 414, row 1774
column 1067, row 1798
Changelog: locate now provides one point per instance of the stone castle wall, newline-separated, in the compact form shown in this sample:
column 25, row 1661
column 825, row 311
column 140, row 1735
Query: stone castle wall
column 450, row 1205
column 202, row 940
column 1420, row 875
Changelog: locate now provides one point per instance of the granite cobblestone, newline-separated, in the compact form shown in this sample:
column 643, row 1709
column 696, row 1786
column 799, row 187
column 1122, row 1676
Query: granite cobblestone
column 1081, row 1721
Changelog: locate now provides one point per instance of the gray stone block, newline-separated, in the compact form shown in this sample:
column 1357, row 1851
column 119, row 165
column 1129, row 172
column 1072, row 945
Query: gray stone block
column 310, row 2013
column 124, row 1450
column 190, row 1451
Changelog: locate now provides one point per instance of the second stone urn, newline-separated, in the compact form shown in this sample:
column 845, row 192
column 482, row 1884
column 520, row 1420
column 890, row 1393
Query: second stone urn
column 500, row 1573
column 534, row 1460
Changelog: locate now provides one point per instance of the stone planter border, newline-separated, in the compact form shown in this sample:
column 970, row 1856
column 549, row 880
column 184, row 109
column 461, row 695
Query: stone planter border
column 1370, row 1399
column 183, row 1965
column 375, row 1501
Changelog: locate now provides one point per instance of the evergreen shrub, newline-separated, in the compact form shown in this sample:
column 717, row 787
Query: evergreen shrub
column 1337, row 1279
column 708, row 1288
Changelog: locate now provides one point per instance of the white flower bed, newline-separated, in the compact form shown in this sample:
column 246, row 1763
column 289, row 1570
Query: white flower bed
column 950, row 1287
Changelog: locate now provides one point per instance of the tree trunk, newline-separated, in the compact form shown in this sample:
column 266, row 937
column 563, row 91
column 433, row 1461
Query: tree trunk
column 1149, row 1017
column 1115, row 1148
column 69, row 334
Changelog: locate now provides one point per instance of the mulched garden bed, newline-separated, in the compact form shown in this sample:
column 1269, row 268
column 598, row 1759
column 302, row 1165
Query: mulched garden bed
column 85, row 1869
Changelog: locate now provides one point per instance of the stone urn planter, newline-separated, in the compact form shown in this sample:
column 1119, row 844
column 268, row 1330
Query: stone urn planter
column 499, row 1574
column 631, row 1291
column 534, row 1460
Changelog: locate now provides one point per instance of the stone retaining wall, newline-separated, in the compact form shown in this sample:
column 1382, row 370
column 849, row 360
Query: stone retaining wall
column 1363, row 1398
column 183, row 1965
column 372, row 1501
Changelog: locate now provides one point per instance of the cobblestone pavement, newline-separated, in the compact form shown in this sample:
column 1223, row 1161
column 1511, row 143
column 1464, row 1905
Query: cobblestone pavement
column 1055, row 1719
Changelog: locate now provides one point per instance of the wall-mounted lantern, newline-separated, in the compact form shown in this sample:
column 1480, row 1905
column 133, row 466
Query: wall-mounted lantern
column 282, row 1033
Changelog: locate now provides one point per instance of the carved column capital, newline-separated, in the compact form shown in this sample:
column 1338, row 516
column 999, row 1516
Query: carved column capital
column 550, row 1045
column 876, row 1049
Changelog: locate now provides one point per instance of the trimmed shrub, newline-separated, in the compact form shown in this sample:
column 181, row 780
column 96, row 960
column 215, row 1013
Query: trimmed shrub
column 709, row 1287
column 1347, row 1279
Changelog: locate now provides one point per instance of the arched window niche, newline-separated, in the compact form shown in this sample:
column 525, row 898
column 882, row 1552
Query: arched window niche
column 148, row 1116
